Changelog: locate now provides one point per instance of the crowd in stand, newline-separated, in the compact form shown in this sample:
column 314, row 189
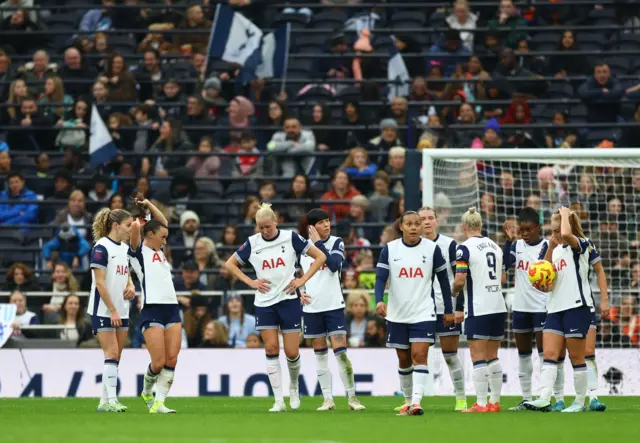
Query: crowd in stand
column 187, row 131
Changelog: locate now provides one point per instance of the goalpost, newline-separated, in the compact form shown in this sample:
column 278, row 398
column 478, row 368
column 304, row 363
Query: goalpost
column 602, row 185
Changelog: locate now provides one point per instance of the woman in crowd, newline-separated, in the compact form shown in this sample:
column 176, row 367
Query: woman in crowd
column 300, row 190
column 78, row 118
column 54, row 93
column 215, row 335
column 229, row 237
column 358, row 303
column 195, row 319
column 64, row 283
column 171, row 138
column 238, row 322
column 72, row 316
column 205, row 165
column 206, row 257
column 20, row 278
column 24, row 317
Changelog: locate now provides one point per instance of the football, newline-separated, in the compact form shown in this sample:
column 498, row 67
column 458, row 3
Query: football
column 542, row 274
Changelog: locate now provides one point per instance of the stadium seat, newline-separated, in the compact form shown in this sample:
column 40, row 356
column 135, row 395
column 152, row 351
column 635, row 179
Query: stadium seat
column 408, row 19
column 559, row 90
column 543, row 41
column 330, row 20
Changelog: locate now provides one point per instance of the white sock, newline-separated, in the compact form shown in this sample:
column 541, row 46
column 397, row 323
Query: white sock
column 481, row 381
column 580, row 382
column 495, row 379
column 592, row 376
column 558, row 386
column 294, row 372
column 275, row 378
column 110, row 380
column 165, row 380
column 456, row 372
column 324, row 375
column 420, row 374
column 548, row 378
column 525, row 371
column 345, row 369
column 406, row 383
column 150, row 379
column 104, row 398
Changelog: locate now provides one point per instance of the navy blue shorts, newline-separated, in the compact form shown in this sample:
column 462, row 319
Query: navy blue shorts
column 102, row 324
column 402, row 334
column 321, row 324
column 594, row 321
column 485, row 327
column 161, row 316
column 572, row 323
column 286, row 315
column 442, row 330
column 528, row 321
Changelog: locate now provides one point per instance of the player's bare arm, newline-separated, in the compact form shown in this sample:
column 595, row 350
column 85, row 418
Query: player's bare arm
column 565, row 229
column 318, row 260
column 260, row 285
column 458, row 283
column 604, row 290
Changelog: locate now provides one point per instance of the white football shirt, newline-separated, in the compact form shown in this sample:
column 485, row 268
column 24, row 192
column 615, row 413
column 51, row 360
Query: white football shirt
column 572, row 289
column 482, row 260
column 324, row 287
column 154, row 272
column 447, row 246
column 521, row 256
column 112, row 258
column 412, row 270
column 273, row 260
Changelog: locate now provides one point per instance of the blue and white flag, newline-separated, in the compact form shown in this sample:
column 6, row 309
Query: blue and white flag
column 271, row 59
column 7, row 317
column 233, row 37
column 397, row 74
column 101, row 146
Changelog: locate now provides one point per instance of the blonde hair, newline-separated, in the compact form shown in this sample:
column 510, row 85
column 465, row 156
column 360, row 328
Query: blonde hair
column 221, row 332
column 72, row 282
column 397, row 150
column 13, row 99
column 472, row 219
column 265, row 212
column 358, row 295
column 574, row 222
column 212, row 258
column 58, row 94
column 350, row 161
column 428, row 208
column 104, row 220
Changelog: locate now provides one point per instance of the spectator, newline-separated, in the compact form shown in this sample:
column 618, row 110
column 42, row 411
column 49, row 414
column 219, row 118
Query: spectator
column 80, row 118
column 213, row 100
column 102, row 49
column 400, row 113
column 116, row 202
column 18, row 91
column 76, row 73
column 229, row 238
column 463, row 20
column 76, row 214
column 406, row 44
column 451, row 45
column 358, row 215
column 246, row 165
column 5, row 160
column 395, row 169
column 6, row 12
column 629, row 320
column 183, row 242
column 275, row 117
column 300, row 190
column 357, row 165
column 29, row 117
column 350, row 279
column 267, row 191
column 6, row 75
column 215, row 335
column 325, row 137
column 101, row 192
column 293, row 140
column 341, row 189
column 24, row 317
column 26, row 35
column 509, row 18
column 239, row 117
column 358, row 303
column 194, row 21
column 189, row 280
column 196, row 115
column 151, row 75
column 121, row 83
column 205, row 166
column 99, row 19
column 338, row 66
column 20, row 277
column 172, row 98
column 63, row 283
column 228, row 283
column 73, row 317
column 376, row 333
column 18, row 213
column 67, row 246
column 206, row 257
column 54, row 93
column 171, row 139
column 357, row 136
column 195, row 318
column 562, row 65
column 509, row 67
column 601, row 93
column 387, row 139
column 254, row 341
column 148, row 128
column 558, row 136
column 238, row 322
column 38, row 70
column 380, row 200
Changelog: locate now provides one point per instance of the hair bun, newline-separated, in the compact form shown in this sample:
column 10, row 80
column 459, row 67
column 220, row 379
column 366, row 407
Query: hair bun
column 472, row 210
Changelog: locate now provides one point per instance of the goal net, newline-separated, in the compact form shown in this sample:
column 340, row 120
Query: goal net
column 602, row 185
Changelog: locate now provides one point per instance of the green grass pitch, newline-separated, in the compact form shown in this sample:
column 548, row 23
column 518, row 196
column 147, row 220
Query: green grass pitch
column 246, row 420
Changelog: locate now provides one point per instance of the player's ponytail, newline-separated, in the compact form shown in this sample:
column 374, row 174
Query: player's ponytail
column 574, row 222
column 303, row 227
column 472, row 219
column 104, row 220
column 265, row 212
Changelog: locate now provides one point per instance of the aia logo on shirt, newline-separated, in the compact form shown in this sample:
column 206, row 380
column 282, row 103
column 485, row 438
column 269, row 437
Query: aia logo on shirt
column 410, row 273
column 272, row 263
column 560, row 265
column 523, row 265
column 122, row 270
column 324, row 266
column 158, row 259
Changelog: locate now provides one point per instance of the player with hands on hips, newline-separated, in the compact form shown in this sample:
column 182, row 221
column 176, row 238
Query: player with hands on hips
column 160, row 320
column 411, row 264
column 111, row 290
column 479, row 274
column 570, row 307
column 273, row 253
column 323, row 310
column 448, row 329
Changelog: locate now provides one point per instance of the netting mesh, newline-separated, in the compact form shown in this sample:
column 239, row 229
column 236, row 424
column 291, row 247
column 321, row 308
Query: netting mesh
column 605, row 193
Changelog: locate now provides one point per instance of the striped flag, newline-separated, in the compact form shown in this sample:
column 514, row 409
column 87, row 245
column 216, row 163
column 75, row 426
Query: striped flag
column 101, row 146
